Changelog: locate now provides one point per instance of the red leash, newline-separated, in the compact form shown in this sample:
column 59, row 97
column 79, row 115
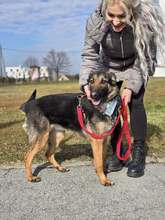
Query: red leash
column 124, row 130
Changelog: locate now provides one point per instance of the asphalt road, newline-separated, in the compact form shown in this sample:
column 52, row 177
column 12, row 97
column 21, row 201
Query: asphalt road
column 78, row 195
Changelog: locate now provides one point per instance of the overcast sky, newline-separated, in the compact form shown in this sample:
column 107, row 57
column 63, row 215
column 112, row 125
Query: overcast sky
column 36, row 26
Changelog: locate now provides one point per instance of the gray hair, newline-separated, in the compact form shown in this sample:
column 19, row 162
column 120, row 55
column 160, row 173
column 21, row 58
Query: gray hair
column 148, row 26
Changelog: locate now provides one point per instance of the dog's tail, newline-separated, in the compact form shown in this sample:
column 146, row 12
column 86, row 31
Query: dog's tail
column 25, row 106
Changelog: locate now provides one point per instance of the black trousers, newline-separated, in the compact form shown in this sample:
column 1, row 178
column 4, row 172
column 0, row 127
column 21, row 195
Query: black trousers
column 138, row 119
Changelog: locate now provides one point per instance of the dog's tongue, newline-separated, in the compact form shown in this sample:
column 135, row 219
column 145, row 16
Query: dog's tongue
column 95, row 102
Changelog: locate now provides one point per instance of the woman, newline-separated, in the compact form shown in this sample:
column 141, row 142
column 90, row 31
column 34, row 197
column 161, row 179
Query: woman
column 122, row 36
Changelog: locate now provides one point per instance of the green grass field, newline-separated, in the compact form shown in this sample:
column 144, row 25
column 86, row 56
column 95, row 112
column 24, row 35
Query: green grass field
column 13, row 141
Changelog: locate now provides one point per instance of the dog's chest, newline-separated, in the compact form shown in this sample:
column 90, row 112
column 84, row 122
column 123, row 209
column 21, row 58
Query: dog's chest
column 110, row 108
column 108, row 115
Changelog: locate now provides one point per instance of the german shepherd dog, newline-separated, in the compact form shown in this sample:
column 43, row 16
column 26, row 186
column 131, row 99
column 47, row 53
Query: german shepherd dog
column 48, row 117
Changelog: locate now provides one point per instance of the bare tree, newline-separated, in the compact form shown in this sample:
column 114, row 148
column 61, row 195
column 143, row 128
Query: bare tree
column 31, row 62
column 56, row 62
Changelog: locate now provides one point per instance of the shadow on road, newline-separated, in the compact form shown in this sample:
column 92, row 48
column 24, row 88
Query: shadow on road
column 153, row 130
column 82, row 151
column 68, row 152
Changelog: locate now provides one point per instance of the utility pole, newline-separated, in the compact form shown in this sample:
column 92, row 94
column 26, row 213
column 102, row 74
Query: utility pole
column 2, row 65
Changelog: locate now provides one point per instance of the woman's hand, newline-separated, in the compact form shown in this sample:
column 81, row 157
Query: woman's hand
column 126, row 95
column 87, row 91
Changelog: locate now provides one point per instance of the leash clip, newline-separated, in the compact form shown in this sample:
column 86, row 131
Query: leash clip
column 79, row 100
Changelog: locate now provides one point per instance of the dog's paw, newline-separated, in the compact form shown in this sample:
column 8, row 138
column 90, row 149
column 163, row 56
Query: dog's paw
column 63, row 169
column 107, row 182
column 35, row 179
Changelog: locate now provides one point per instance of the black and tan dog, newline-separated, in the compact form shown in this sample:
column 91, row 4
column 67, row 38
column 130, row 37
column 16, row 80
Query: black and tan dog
column 48, row 117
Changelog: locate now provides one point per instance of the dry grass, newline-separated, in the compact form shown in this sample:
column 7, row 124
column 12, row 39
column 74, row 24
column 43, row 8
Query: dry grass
column 155, row 106
column 13, row 142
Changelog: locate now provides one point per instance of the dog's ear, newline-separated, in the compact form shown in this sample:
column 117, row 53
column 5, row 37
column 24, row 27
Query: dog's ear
column 111, row 78
column 90, row 77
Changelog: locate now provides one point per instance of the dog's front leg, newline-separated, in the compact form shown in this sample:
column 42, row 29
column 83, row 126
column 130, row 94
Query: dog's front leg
column 97, row 148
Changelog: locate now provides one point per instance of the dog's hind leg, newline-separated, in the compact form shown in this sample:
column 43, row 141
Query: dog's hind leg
column 55, row 138
column 98, row 154
column 35, row 147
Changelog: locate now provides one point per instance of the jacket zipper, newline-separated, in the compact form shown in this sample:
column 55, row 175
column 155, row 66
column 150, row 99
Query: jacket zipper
column 122, row 47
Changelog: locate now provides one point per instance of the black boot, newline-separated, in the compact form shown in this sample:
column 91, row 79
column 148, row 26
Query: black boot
column 114, row 164
column 137, row 165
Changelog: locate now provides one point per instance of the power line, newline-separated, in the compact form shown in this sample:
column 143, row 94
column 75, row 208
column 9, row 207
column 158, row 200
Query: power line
column 36, row 51
column 23, row 50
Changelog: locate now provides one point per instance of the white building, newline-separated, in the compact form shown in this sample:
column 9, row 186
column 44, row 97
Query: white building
column 63, row 78
column 16, row 72
column 160, row 69
column 19, row 72
column 43, row 72
column 162, row 4
column 34, row 73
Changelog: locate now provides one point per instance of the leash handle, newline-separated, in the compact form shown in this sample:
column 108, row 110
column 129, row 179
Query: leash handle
column 124, row 131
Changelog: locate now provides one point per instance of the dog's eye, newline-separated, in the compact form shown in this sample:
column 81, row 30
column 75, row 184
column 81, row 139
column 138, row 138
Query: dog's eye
column 103, row 81
column 113, row 82
column 91, row 81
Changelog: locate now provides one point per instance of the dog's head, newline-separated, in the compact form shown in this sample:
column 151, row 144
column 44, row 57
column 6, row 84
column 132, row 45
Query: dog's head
column 103, row 87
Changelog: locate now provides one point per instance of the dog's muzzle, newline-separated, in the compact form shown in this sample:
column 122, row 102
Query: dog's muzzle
column 95, row 96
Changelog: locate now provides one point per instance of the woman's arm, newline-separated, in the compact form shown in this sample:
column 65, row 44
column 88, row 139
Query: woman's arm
column 90, row 54
column 134, row 77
